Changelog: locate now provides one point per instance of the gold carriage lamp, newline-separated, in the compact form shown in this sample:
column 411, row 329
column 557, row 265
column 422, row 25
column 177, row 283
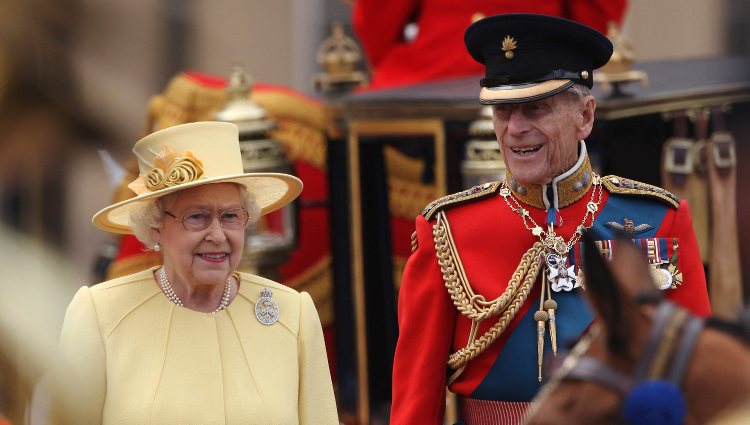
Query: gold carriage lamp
column 270, row 242
column 617, row 72
column 483, row 162
column 339, row 55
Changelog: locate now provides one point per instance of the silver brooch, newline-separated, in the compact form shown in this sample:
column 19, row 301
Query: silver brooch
column 266, row 309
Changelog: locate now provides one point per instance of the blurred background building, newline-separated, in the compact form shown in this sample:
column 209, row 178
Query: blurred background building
column 76, row 77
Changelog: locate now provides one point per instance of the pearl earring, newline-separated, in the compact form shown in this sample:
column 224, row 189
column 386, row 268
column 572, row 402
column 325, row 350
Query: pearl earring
column 157, row 247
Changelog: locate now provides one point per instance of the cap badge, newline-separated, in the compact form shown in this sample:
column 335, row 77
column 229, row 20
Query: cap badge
column 509, row 44
column 585, row 75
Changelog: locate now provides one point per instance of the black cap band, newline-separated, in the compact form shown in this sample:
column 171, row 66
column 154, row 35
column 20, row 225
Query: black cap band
column 520, row 51
column 558, row 74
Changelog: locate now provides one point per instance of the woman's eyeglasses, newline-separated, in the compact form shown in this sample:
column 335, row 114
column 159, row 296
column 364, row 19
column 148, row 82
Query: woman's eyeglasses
column 231, row 219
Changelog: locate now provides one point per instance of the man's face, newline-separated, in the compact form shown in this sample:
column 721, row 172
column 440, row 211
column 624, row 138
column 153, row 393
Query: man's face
column 539, row 140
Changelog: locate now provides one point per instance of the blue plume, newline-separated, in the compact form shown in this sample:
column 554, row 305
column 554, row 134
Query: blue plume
column 654, row 402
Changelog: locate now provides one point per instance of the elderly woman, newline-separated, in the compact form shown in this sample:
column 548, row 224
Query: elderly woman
column 193, row 341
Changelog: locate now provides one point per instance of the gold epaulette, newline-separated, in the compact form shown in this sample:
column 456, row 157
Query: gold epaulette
column 623, row 186
column 458, row 198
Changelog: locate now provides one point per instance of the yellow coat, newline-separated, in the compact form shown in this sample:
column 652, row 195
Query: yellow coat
column 130, row 356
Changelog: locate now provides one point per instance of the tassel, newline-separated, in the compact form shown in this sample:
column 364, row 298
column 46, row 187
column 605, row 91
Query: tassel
column 551, row 305
column 540, row 317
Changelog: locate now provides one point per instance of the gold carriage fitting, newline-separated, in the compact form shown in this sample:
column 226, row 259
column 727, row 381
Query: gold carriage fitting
column 272, row 240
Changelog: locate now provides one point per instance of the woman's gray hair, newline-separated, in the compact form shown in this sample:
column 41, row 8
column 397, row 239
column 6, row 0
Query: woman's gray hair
column 150, row 215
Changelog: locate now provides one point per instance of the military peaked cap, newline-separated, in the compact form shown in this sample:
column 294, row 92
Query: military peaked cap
column 529, row 57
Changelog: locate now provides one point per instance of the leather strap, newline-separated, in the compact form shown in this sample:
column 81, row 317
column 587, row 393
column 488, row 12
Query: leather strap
column 662, row 316
column 592, row 370
column 722, row 144
column 681, row 174
column 698, row 188
column 678, row 155
column 684, row 352
column 701, row 133
column 725, row 277
column 669, row 348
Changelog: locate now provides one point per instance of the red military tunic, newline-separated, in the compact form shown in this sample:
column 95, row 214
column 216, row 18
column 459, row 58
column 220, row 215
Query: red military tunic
column 490, row 239
column 438, row 50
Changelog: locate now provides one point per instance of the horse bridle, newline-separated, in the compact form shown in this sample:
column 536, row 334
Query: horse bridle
column 666, row 355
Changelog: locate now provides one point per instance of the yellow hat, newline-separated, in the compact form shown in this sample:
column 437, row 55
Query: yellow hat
column 190, row 155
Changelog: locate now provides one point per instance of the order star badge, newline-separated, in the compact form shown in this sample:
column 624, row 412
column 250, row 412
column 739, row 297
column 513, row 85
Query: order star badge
column 561, row 277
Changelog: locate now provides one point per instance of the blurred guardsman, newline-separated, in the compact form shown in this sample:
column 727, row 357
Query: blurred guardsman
column 412, row 41
column 494, row 281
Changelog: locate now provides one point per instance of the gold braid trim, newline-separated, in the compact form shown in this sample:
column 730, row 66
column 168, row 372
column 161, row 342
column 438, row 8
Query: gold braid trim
column 474, row 306
column 471, row 305
column 623, row 186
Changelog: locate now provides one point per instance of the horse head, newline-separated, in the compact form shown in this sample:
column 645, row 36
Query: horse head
column 646, row 360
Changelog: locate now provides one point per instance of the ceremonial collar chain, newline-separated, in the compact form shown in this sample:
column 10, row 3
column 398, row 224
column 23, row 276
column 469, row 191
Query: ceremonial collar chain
column 555, row 257
column 172, row 296
column 553, row 243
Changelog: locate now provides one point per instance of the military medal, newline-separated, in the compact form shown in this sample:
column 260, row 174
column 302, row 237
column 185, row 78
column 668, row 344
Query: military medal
column 266, row 309
column 661, row 277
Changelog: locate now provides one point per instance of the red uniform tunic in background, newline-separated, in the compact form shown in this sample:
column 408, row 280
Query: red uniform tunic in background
column 438, row 49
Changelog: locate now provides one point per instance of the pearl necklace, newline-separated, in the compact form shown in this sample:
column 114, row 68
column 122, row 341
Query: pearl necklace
column 166, row 287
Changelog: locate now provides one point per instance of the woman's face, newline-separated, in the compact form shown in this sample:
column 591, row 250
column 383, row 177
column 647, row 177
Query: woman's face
column 204, row 257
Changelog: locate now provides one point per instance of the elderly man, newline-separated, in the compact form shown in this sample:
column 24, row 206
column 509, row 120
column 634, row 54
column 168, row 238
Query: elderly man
column 494, row 281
